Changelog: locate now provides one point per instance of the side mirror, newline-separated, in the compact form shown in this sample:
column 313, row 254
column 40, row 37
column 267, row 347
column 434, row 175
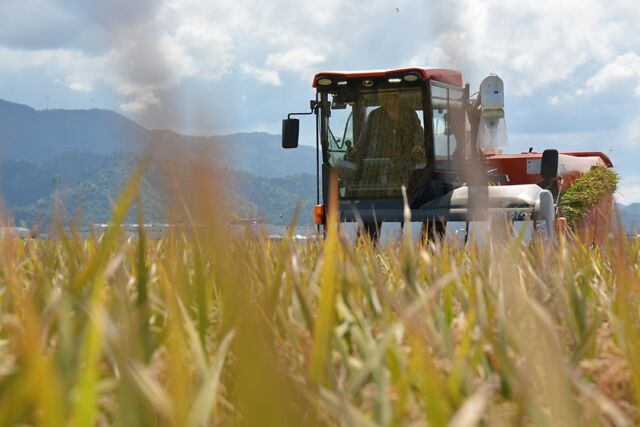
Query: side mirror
column 290, row 131
column 549, row 164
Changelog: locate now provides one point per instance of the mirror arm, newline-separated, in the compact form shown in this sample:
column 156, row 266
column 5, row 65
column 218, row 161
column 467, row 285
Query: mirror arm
column 314, row 108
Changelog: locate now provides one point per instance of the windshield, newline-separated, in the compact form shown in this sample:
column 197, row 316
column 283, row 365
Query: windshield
column 377, row 142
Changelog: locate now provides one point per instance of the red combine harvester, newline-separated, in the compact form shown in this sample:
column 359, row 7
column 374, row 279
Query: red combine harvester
column 377, row 131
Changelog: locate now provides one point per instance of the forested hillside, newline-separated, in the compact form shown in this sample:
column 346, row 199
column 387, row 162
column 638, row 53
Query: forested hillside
column 88, row 183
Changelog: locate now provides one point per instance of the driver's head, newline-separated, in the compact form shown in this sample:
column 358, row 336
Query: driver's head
column 390, row 101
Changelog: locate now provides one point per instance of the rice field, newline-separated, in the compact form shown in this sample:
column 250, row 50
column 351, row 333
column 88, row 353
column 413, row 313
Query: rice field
column 203, row 328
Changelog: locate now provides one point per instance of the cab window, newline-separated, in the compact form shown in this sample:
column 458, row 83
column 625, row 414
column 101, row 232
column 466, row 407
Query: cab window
column 448, row 125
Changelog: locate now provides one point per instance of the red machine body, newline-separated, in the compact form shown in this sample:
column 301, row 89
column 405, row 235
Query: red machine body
column 519, row 167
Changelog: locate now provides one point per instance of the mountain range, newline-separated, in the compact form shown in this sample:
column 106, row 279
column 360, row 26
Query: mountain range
column 38, row 136
column 93, row 152
column 630, row 217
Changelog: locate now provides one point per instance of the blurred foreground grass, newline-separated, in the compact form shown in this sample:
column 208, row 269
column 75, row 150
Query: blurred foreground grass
column 203, row 328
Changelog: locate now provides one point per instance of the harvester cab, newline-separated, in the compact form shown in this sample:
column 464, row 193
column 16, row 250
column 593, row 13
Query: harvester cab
column 418, row 128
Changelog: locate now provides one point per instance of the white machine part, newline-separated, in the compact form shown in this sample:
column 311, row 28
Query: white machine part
column 538, row 202
column 541, row 203
column 492, row 96
column 492, row 131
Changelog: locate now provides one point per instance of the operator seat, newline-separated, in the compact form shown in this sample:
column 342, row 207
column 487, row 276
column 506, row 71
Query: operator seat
column 549, row 172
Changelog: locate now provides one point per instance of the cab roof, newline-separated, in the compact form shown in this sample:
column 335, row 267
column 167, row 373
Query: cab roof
column 443, row 75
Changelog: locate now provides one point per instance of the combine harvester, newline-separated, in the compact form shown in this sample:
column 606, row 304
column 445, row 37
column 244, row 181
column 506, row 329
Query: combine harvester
column 377, row 131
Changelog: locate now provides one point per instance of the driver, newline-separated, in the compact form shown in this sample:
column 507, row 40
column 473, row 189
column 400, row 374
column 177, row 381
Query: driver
column 392, row 131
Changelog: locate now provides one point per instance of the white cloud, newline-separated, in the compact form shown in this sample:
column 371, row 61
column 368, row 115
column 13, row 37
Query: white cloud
column 138, row 54
column 140, row 103
column 532, row 44
column 81, row 87
column 624, row 69
column 209, row 48
column 262, row 75
column 546, row 51
column 299, row 59
column 152, row 46
column 17, row 60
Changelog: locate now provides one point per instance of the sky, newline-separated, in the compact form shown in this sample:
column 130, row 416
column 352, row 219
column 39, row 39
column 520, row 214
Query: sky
column 571, row 68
